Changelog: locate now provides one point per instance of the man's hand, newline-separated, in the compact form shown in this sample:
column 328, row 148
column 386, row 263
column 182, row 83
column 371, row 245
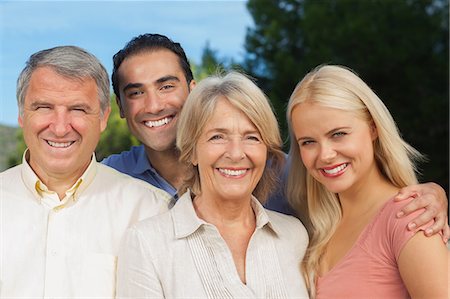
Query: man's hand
column 431, row 197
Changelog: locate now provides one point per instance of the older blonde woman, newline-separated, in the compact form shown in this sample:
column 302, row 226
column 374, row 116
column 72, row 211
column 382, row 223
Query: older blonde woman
column 218, row 241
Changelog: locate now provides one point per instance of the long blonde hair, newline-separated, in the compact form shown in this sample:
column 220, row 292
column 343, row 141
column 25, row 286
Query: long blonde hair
column 339, row 88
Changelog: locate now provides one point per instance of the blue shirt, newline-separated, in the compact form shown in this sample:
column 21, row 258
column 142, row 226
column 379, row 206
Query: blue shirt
column 136, row 164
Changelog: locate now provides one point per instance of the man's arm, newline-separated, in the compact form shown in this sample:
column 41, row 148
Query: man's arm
column 431, row 197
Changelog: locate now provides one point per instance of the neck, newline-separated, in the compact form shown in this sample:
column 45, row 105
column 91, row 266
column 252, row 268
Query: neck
column 58, row 182
column 366, row 196
column 224, row 213
column 167, row 165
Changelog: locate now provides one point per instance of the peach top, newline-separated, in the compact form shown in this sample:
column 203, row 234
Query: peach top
column 369, row 269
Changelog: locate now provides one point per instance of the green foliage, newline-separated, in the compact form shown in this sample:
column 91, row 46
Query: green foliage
column 211, row 64
column 116, row 138
column 8, row 140
column 400, row 48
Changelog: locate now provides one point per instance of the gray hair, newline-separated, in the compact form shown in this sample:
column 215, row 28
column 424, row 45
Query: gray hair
column 68, row 61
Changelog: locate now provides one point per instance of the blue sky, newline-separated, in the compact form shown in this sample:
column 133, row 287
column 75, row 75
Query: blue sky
column 103, row 27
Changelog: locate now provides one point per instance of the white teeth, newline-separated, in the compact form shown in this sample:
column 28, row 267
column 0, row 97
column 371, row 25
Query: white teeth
column 232, row 172
column 59, row 144
column 335, row 170
column 158, row 123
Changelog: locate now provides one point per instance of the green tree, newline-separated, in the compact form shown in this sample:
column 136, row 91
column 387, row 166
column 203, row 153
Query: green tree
column 211, row 64
column 116, row 138
column 15, row 157
column 400, row 48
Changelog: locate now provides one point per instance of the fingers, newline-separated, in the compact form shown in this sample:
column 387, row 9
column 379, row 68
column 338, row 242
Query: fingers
column 424, row 218
column 436, row 227
column 446, row 232
column 406, row 192
column 424, row 201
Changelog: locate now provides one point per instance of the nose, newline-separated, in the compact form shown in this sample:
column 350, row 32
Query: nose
column 60, row 123
column 153, row 103
column 235, row 150
column 327, row 152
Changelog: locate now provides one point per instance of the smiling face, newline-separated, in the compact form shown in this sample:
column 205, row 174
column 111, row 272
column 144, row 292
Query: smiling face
column 153, row 89
column 61, row 123
column 230, row 154
column 335, row 146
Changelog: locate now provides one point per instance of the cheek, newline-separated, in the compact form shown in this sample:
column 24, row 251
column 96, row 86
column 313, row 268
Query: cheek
column 130, row 108
column 87, row 125
column 257, row 154
column 307, row 157
column 35, row 123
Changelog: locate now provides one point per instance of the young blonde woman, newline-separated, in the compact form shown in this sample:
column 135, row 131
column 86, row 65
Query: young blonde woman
column 348, row 162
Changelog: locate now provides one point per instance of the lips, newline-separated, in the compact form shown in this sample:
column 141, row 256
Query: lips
column 335, row 170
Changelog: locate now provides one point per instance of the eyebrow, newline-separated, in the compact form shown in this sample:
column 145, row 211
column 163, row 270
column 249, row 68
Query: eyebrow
column 132, row 85
column 158, row 81
column 39, row 103
column 168, row 78
column 225, row 131
column 327, row 133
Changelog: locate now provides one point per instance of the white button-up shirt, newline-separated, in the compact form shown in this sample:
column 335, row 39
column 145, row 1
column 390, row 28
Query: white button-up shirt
column 178, row 255
column 52, row 248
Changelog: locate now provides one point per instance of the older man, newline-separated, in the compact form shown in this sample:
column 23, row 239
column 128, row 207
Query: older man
column 62, row 213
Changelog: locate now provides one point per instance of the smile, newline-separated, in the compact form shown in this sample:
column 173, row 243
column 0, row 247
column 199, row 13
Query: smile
column 60, row 144
column 335, row 170
column 232, row 172
column 158, row 123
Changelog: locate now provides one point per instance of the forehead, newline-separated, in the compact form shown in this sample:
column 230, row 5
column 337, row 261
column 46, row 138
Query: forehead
column 46, row 84
column 226, row 114
column 152, row 62
column 307, row 116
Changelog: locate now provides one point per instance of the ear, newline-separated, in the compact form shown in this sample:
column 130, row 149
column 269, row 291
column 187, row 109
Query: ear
column 373, row 131
column 104, row 119
column 119, row 103
column 20, row 121
column 192, row 85
column 194, row 159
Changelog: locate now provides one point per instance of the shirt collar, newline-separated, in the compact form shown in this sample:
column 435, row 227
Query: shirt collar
column 186, row 221
column 38, row 188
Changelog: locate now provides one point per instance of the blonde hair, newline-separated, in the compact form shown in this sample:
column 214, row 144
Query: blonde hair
column 243, row 94
column 339, row 88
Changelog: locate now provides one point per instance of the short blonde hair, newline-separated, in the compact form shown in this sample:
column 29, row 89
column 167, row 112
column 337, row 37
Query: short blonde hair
column 243, row 94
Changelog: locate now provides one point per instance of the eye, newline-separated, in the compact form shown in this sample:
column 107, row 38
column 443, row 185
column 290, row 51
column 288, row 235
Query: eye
column 216, row 137
column 306, row 142
column 253, row 138
column 339, row 134
column 42, row 107
column 134, row 93
column 167, row 87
